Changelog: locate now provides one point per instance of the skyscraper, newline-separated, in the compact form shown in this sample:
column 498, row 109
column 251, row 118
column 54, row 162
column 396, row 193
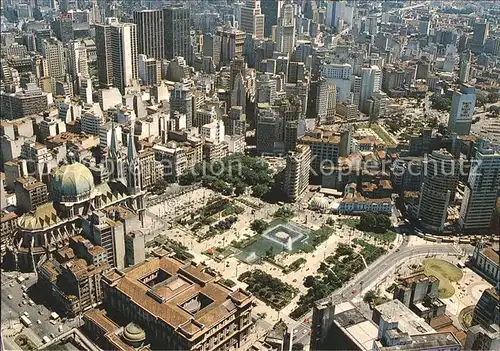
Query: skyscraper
column 53, row 51
column 177, row 37
column 481, row 191
column 285, row 33
column 252, row 20
column 465, row 66
column 180, row 100
column 124, row 54
column 371, row 81
column 296, row 173
column 103, row 50
column 150, row 33
column 462, row 110
column 481, row 31
column 438, row 189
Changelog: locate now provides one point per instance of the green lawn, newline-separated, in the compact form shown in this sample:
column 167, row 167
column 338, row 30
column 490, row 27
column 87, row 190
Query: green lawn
column 383, row 135
column 446, row 272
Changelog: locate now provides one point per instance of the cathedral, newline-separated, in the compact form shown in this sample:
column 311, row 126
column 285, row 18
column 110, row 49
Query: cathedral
column 78, row 206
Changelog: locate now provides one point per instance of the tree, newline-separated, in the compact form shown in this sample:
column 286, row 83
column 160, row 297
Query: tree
column 259, row 190
column 259, row 226
column 442, row 129
column 309, row 281
column 493, row 97
column 370, row 296
column 368, row 221
column 330, row 221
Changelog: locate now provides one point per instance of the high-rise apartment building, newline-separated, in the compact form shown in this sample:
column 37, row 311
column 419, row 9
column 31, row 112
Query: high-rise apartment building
column 463, row 103
column 150, row 33
column 438, row 189
column 53, row 51
column 326, row 100
column 481, row 191
column 296, row 173
column 177, row 32
column 252, row 19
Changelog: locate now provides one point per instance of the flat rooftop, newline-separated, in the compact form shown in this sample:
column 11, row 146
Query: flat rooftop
column 408, row 322
column 355, row 325
column 432, row 341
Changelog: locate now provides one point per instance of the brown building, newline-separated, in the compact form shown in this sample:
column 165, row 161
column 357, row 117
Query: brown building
column 8, row 222
column 180, row 306
column 151, row 170
column 30, row 193
column 73, row 285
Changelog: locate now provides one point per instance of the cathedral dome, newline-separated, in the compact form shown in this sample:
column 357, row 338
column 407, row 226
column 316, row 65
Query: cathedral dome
column 72, row 182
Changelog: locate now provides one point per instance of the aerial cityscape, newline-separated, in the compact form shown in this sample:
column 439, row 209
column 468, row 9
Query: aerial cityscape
column 262, row 175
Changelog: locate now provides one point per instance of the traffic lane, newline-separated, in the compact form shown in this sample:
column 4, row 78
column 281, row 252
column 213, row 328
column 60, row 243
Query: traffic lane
column 380, row 269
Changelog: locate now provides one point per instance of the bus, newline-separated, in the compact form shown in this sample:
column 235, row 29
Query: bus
column 25, row 320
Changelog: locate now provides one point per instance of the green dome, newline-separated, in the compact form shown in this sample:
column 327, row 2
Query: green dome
column 72, row 182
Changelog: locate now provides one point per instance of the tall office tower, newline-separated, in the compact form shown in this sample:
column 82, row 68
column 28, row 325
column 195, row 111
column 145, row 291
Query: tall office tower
column 462, row 110
column 481, row 191
column 340, row 75
column 53, row 51
column 238, row 93
column 271, row 10
column 237, row 67
column 465, row 66
column 438, row 189
column 180, row 100
column 124, row 54
column 326, row 100
column 66, row 5
column 321, row 324
column 177, row 33
column 252, row 20
column 371, row 81
column 481, row 31
column 296, row 173
column 150, row 33
column 230, row 44
column 94, row 13
column 334, row 11
column 371, row 25
column 149, row 70
column 77, row 55
column 103, row 51
column 310, row 9
column 424, row 26
column 285, row 32
column 85, row 89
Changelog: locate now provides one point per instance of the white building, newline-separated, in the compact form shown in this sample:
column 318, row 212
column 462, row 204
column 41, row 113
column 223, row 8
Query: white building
column 371, row 82
column 214, row 131
column 285, row 32
column 340, row 75
column 481, row 191
column 296, row 173
column 462, row 110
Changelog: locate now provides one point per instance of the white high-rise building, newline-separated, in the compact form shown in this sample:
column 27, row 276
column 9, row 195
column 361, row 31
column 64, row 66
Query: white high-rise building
column 463, row 103
column 252, row 19
column 334, row 13
column 78, row 65
column 124, row 54
column 371, row 82
column 285, row 32
column 340, row 75
column 149, row 70
column 481, row 191
column 326, row 100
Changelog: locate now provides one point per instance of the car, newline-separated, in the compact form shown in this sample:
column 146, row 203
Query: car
column 9, row 297
column 39, row 321
column 20, row 304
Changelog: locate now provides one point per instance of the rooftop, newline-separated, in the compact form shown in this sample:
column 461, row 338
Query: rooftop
column 183, row 296
column 408, row 322
column 355, row 325
column 428, row 341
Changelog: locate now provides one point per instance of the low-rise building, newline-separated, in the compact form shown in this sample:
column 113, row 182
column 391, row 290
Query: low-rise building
column 355, row 203
column 485, row 261
column 30, row 193
column 180, row 306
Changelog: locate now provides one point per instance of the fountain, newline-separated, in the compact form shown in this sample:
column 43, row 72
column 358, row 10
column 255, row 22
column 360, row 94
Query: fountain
column 284, row 235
